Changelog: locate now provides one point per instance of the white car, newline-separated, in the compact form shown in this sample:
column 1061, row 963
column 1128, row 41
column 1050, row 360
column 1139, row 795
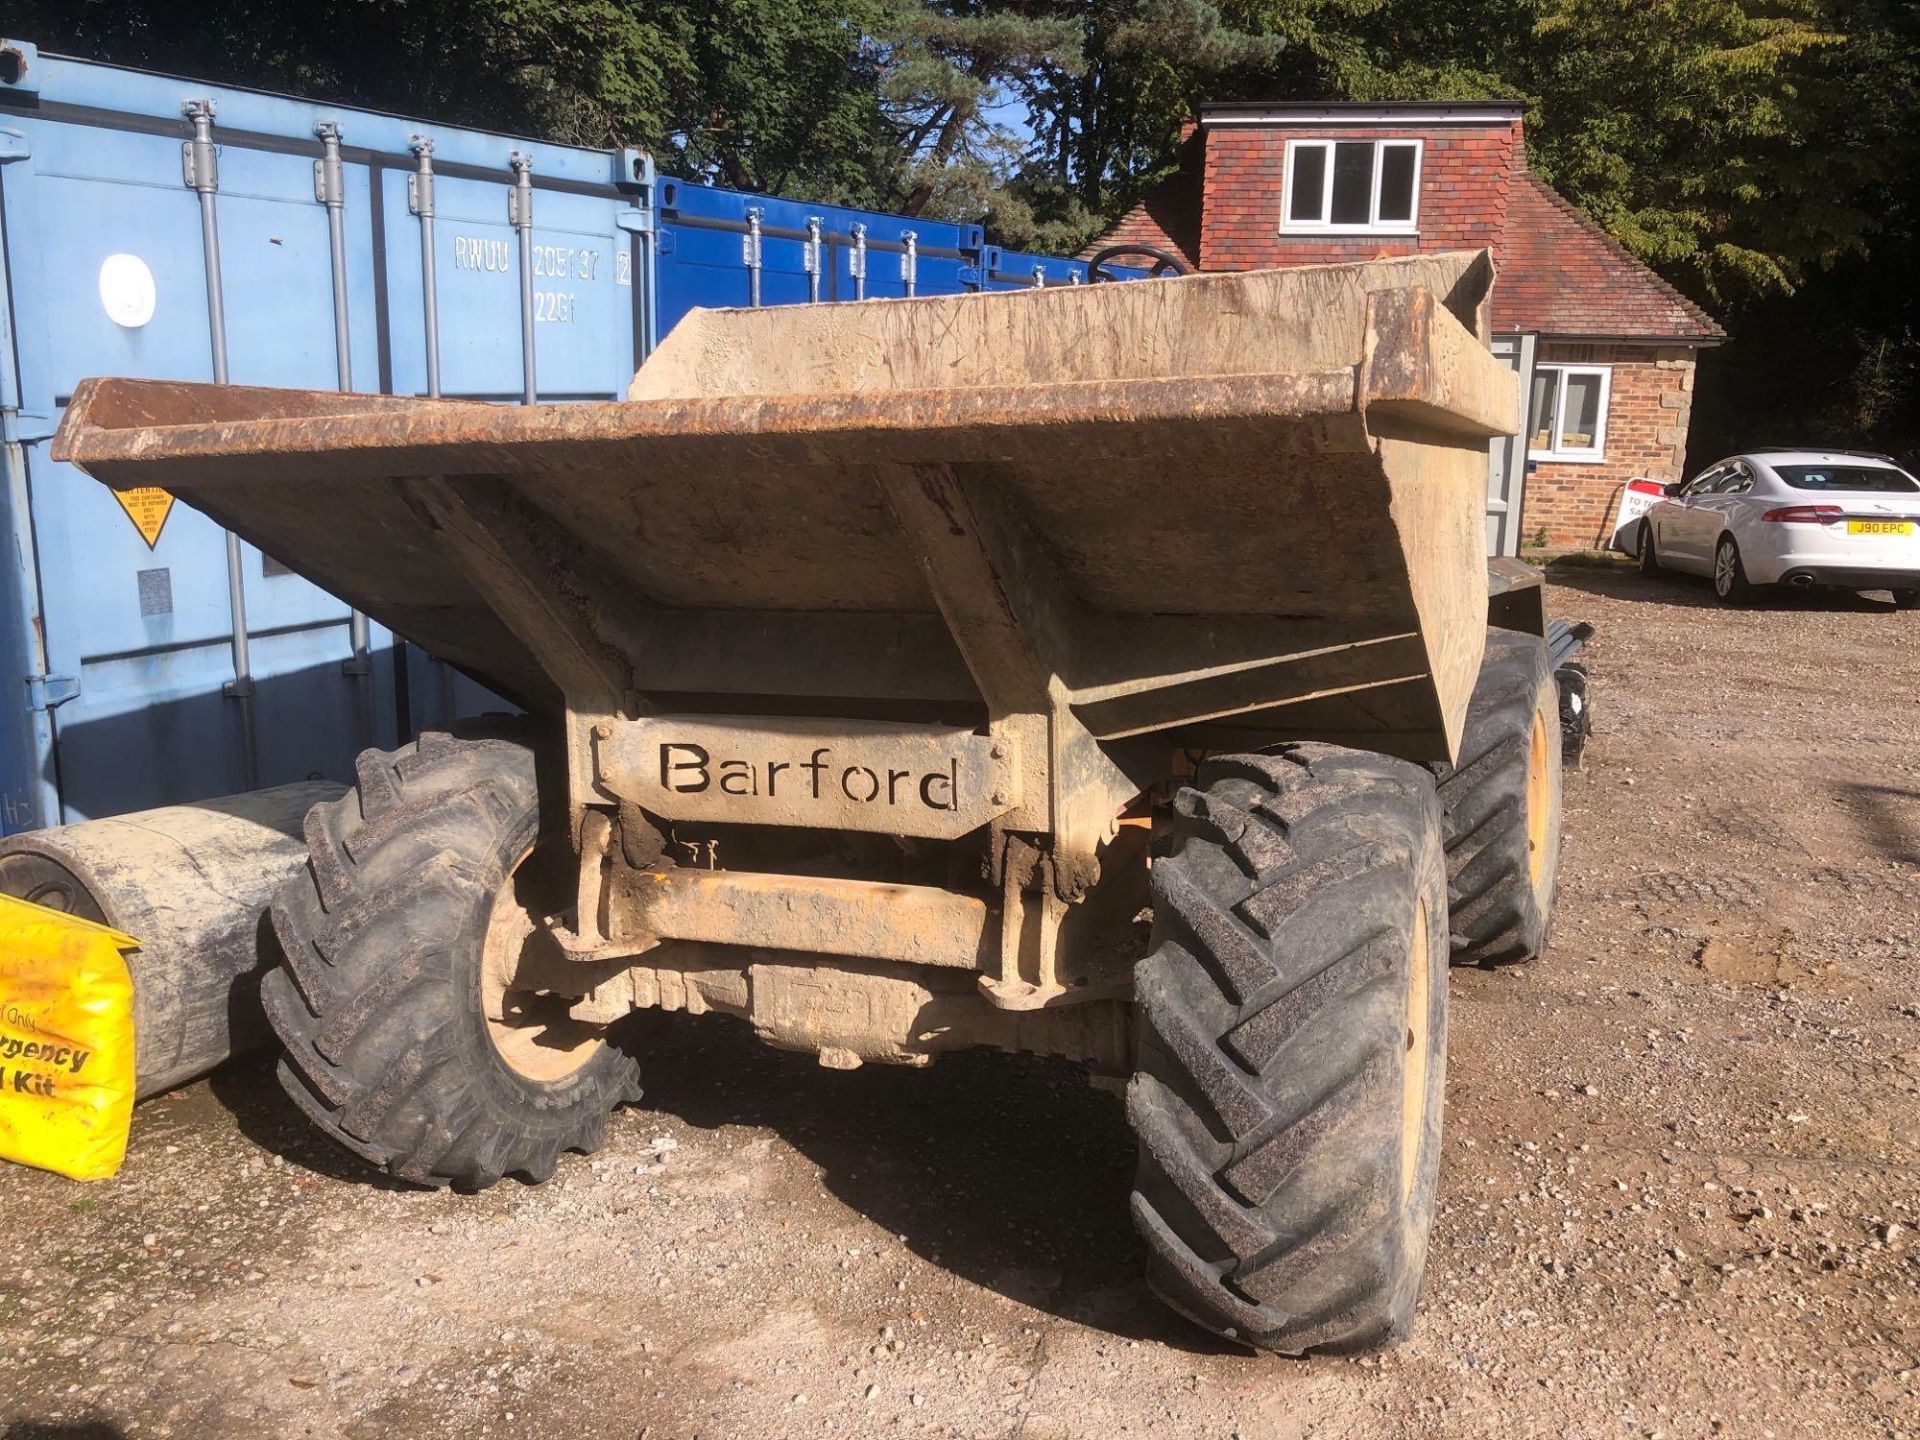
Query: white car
column 1802, row 518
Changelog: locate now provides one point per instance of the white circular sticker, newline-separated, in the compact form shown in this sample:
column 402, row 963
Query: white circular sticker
column 126, row 290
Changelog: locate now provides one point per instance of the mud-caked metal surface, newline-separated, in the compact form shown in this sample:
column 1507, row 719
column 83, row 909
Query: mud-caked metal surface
column 967, row 571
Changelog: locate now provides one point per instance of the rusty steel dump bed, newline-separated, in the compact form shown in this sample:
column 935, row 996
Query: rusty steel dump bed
column 1246, row 502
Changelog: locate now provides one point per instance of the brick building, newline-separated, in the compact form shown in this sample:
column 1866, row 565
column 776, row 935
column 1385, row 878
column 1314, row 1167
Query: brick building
column 1605, row 348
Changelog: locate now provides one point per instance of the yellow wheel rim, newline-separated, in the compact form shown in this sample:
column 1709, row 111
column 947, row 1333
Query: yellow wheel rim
column 1413, row 1082
column 1538, row 800
column 532, row 1029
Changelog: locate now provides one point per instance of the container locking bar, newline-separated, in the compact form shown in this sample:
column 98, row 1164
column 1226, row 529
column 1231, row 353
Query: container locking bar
column 520, row 211
column 420, row 202
column 330, row 190
column 200, row 167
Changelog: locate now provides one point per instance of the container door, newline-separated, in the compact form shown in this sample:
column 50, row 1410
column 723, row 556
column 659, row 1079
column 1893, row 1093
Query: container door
column 582, row 301
column 134, row 589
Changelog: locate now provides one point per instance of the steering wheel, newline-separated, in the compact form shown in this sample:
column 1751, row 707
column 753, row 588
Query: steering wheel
column 1163, row 262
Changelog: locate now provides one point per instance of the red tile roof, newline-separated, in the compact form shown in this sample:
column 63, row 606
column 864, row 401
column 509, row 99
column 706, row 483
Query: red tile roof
column 1561, row 274
column 1167, row 216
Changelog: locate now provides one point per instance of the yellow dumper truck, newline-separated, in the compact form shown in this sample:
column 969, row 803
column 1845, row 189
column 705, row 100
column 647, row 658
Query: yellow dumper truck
column 1110, row 672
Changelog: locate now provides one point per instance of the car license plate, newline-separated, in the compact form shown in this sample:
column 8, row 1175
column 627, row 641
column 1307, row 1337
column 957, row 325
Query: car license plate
column 1879, row 527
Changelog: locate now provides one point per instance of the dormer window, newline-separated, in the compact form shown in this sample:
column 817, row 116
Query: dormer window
column 1352, row 187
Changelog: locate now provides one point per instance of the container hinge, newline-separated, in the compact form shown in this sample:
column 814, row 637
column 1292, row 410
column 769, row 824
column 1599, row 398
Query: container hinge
column 857, row 261
column 970, row 275
column 199, row 158
column 238, row 689
column 356, row 665
column 329, row 177
column 1039, row 277
column 45, row 692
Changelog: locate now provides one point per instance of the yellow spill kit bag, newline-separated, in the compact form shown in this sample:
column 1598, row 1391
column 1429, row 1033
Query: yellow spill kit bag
column 66, row 1041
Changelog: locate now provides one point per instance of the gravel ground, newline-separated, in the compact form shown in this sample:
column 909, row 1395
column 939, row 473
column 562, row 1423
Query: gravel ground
column 1679, row 1193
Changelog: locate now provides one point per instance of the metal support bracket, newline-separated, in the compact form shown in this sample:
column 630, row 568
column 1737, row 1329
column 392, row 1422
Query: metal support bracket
column 420, row 182
column 199, row 157
column 1015, row 621
column 501, row 546
column 329, row 178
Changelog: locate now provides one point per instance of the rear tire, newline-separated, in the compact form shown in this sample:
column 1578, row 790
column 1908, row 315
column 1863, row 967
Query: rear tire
column 1502, row 805
column 382, row 1002
column 1649, row 562
column 1730, row 583
column 1292, row 1029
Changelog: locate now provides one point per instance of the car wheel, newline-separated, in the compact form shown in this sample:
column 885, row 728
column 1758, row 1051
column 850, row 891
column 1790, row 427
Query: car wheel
column 1649, row 562
column 1730, row 581
column 1906, row 599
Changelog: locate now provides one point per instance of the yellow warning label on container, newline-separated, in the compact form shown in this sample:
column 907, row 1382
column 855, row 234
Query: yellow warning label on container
column 66, row 1041
column 148, row 507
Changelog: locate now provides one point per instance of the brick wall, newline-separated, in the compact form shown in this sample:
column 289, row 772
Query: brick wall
column 1652, row 393
column 1562, row 274
column 1466, row 176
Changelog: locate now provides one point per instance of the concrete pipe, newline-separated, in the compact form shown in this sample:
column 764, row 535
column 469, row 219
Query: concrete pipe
column 192, row 884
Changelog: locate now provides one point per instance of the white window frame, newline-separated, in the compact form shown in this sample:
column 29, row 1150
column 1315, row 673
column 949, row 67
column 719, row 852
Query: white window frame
column 1585, row 455
column 1375, row 226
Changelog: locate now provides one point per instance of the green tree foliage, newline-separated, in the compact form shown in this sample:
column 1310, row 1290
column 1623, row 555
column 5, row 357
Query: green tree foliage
column 761, row 94
column 1759, row 153
column 1683, row 126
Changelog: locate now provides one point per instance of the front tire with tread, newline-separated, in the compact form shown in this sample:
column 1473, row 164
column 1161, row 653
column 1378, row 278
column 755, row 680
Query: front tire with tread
column 378, row 1004
column 1503, row 806
column 1292, row 1024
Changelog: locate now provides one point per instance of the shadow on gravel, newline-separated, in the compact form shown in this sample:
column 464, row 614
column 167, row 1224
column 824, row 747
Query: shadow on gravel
column 1622, row 582
column 1888, row 816
column 1012, row 1172
column 60, row 1430
column 249, row 1091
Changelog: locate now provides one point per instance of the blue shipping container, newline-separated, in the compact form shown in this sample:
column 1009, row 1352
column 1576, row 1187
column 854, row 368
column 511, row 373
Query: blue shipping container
column 165, row 228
